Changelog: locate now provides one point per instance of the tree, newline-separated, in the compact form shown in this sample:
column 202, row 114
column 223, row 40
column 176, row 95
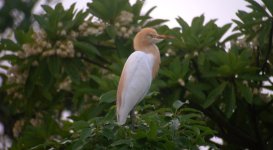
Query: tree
column 207, row 86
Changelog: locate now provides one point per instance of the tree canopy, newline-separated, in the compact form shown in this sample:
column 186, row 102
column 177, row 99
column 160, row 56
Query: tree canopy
column 68, row 60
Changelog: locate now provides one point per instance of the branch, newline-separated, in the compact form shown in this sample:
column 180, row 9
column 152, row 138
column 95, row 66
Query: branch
column 228, row 130
column 265, row 107
column 196, row 68
column 253, row 117
column 97, row 64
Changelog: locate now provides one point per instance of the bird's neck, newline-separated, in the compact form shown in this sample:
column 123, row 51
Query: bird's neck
column 149, row 48
column 152, row 49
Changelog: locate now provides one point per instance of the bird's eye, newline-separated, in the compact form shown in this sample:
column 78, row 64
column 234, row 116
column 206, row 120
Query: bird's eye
column 151, row 36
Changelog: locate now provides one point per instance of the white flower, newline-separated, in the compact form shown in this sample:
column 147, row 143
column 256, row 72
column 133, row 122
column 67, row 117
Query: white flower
column 81, row 28
column 181, row 82
column 60, row 24
column 43, row 44
column 123, row 29
column 191, row 78
column 70, row 44
column 63, row 33
column 65, row 85
column 175, row 124
column 26, row 46
column 126, row 35
column 74, row 34
column 48, row 45
column 195, row 53
column 62, row 46
column 125, row 17
column 17, row 128
column 117, row 24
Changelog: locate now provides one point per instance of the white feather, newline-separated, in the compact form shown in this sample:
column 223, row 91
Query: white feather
column 137, row 81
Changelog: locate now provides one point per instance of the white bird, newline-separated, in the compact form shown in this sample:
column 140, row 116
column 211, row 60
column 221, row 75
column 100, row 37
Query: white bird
column 138, row 72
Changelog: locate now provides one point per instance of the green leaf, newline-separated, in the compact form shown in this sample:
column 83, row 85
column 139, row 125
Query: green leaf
column 107, row 10
column 149, row 11
column 217, row 57
column 108, row 97
column 6, row 44
column 197, row 24
column 155, row 22
column 9, row 58
column 86, row 48
column 185, row 67
column 257, row 7
column 22, row 37
column 196, row 90
column 79, row 125
column 121, row 142
column 233, row 36
column 269, row 5
column 54, row 65
column 72, row 68
column 214, row 94
column 231, row 102
column 85, row 134
column 183, row 23
column 47, row 9
column 224, row 70
column 176, row 66
column 111, row 31
column 245, row 91
column 42, row 22
column 177, row 104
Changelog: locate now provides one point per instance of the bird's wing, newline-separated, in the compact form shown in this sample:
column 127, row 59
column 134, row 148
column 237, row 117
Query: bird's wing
column 134, row 83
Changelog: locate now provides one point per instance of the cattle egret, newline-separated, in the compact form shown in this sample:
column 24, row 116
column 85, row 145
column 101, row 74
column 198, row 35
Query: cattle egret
column 138, row 72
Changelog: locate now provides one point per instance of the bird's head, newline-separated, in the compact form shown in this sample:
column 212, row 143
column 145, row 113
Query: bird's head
column 147, row 37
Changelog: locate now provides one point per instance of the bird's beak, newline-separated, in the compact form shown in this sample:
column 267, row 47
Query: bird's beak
column 164, row 36
column 158, row 38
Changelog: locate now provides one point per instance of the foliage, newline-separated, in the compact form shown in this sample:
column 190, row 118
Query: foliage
column 208, row 84
column 17, row 14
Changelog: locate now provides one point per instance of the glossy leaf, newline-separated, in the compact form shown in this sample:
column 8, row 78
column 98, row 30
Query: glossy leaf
column 214, row 94
column 177, row 104
column 108, row 97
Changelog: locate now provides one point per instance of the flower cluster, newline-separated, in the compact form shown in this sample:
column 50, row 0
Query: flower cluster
column 17, row 128
column 37, row 120
column 63, row 49
column 13, row 91
column 122, row 25
column 65, row 84
column 15, row 76
column 89, row 28
column 170, row 52
column 62, row 32
column 125, row 17
column 39, row 44
column 181, row 82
